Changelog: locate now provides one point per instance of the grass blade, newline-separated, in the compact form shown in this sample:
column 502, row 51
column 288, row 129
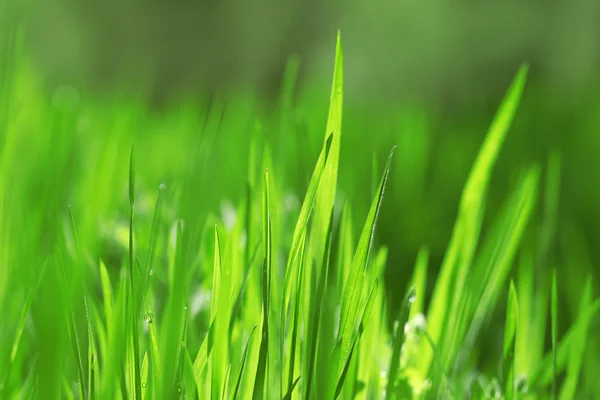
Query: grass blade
column 510, row 329
column 238, row 380
column 260, row 391
column 577, row 348
column 134, row 310
column 356, row 337
column 468, row 223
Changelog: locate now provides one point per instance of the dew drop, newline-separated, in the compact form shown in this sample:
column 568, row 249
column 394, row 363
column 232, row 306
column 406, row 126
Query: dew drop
column 412, row 299
column 144, row 385
column 162, row 186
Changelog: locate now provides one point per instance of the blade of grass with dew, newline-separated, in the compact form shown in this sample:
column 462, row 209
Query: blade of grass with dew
column 300, row 234
column 510, row 330
column 419, row 282
column 577, row 348
column 134, row 313
column 154, row 355
column 398, row 339
column 190, row 378
column 144, row 376
column 353, row 289
column 468, row 223
column 347, row 358
column 260, row 391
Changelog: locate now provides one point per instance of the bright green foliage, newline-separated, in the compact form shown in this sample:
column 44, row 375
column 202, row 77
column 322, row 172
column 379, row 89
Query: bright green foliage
column 115, row 285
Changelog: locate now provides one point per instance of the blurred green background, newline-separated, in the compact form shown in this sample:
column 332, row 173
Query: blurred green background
column 427, row 77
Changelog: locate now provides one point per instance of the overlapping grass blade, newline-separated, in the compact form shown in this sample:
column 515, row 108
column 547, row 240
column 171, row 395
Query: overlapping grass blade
column 260, row 391
column 347, row 357
column 240, row 373
column 353, row 290
column 465, row 236
column 576, row 355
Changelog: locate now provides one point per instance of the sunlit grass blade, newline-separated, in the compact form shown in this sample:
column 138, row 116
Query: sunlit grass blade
column 289, row 393
column 492, row 267
column 577, row 348
column 22, row 320
column 510, row 329
column 296, row 316
column 326, row 197
column 155, row 356
column 316, row 314
column 419, row 282
column 347, row 357
column 260, row 391
column 144, row 376
column 134, row 311
column 465, row 236
column 302, row 221
column 240, row 373
column 353, row 289
column 74, row 337
column 398, row 339
column 544, row 373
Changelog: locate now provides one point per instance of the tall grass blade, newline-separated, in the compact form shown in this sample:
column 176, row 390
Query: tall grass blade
column 510, row 330
column 240, row 373
column 347, row 358
column 465, row 235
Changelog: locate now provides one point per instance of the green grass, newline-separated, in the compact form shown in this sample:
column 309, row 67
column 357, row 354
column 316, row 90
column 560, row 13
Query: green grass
column 114, row 284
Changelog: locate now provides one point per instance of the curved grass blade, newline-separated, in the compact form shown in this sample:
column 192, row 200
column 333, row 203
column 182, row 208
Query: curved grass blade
column 242, row 366
column 288, row 395
column 21, row 326
column 353, row 289
column 260, row 391
column 356, row 337
column 144, row 376
column 466, row 231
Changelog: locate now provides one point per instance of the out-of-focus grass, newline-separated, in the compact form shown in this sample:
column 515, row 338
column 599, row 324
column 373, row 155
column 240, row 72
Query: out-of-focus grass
column 215, row 264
